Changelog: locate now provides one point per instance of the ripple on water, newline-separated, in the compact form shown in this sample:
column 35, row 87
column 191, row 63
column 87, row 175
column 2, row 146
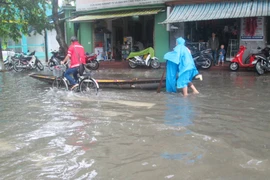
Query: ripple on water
column 131, row 134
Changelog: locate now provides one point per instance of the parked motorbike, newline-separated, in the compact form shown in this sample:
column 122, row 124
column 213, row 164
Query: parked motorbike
column 262, row 61
column 55, row 59
column 238, row 61
column 202, row 59
column 8, row 62
column 29, row 61
column 91, row 61
column 143, row 58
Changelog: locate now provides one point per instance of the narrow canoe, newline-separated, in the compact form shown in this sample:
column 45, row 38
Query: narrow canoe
column 112, row 83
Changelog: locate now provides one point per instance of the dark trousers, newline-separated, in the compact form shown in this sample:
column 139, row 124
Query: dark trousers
column 214, row 54
column 74, row 72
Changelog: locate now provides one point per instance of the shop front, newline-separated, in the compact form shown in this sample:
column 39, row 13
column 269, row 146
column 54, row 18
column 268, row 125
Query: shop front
column 113, row 33
column 234, row 23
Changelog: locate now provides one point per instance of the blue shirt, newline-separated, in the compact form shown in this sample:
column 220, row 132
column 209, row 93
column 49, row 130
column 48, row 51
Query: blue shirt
column 221, row 51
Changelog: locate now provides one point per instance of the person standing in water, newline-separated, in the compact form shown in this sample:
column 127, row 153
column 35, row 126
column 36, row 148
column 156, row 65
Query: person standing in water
column 213, row 43
column 181, row 69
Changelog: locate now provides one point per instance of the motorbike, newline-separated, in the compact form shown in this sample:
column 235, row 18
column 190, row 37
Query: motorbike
column 238, row 61
column 143, row 58
column 29, row 61
column 262, row 61
column 55, row 59
column 91, row 61
column 8, row 62
column 202, row 59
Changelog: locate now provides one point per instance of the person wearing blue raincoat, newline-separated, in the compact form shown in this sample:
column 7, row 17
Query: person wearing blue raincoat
column 180, row 69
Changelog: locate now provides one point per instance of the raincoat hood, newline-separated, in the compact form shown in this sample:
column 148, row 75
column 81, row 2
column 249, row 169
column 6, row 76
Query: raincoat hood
column 174, row 56
column 180, row 61
column 180, row 41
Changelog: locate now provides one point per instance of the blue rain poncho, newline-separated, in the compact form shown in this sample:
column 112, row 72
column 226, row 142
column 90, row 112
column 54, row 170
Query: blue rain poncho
column 180, row 67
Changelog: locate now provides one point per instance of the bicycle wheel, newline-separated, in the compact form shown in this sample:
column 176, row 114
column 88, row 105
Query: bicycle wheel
column 51, row 65
column 18, row 67
column 88, row 85
column 60, row 84
column 40, row 65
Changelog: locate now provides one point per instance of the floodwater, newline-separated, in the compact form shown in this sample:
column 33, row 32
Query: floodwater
column 222, row 133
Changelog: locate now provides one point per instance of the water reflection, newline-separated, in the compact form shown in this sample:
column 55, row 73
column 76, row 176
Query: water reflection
column 244, row 82
column 180, row 113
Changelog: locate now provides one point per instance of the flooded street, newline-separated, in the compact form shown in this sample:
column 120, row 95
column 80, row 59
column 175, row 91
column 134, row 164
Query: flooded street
column 222, row 133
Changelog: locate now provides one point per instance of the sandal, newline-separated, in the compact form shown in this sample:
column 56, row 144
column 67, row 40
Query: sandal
column 199, row 76
column 74, row 86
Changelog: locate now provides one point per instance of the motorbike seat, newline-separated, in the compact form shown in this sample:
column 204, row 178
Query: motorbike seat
column 92, row 54
column 26, row 58
column 61, row 57
column 257, row 54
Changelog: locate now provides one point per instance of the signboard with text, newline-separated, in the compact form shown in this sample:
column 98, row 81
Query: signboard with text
column 252, row 29
column 86, row 5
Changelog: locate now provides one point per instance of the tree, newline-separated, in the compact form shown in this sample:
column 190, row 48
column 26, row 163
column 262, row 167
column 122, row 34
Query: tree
column 60, row 35
column 17, row 16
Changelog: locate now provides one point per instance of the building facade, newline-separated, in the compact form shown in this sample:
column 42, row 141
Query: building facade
column 235, row 23
column 113, row 28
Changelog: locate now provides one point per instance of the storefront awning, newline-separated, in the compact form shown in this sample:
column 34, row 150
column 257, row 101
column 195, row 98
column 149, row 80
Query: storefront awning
column 118, row 14
column 222, row 10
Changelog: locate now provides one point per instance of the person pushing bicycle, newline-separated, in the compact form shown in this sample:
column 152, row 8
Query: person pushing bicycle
column 76, row 54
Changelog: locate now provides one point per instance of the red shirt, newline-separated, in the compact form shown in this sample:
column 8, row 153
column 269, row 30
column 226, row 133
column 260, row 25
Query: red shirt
column 76, row 54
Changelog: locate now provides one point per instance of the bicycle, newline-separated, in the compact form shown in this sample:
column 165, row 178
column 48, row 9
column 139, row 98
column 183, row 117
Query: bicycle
column 87, row 84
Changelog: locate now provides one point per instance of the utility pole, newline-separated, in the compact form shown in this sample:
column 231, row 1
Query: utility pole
column 46, row 45
column 2, row 67
column 1, row 53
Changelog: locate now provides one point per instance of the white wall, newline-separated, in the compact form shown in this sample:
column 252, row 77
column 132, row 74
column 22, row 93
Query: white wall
column 36, row 43
column 176, row 33
column 252, row 44
column 52, row 43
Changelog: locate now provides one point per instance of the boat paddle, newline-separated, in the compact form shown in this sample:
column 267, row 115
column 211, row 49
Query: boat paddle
column 161, row 80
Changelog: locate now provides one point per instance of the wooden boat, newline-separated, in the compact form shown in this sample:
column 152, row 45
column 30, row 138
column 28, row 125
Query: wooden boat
column 112, row 83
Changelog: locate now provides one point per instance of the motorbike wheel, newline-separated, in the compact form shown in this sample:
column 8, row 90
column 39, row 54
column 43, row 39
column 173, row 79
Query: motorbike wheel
column 155, row 64
column 6, row 66
column 15, row 66
column 88, row 86
column 51, row 65
column 60, row 84
column 259, row 67
column 234, row 66
column 40, row 65
column 9, row 66
column 93, row 65
column 208, row 63
column 132, row 64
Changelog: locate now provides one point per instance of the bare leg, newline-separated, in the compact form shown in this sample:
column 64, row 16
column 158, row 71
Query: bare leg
column 185, row 91
column 195, row 91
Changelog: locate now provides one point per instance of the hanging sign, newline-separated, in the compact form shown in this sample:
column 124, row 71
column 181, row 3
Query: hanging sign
column 252, row 29
column 86, row 5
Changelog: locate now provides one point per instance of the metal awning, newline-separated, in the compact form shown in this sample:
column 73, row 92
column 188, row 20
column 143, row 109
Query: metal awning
column 117, row 14
column 222, row 10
